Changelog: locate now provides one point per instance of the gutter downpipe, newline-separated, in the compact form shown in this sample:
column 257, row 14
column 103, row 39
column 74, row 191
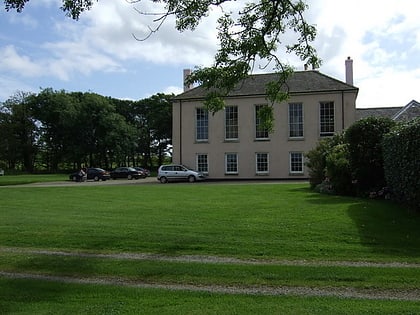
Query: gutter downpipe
column 180, row 131
column 342, row 110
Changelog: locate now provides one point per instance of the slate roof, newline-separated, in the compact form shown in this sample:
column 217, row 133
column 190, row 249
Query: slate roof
column 388, row 112
column 401, row 113
column 310, row 81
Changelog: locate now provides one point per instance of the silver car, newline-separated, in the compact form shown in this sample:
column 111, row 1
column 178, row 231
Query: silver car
column 176, row 172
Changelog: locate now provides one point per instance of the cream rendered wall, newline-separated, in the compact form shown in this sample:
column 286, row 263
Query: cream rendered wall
column 278, row 146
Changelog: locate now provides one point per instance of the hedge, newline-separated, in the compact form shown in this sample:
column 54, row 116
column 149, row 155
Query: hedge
column 401, row 153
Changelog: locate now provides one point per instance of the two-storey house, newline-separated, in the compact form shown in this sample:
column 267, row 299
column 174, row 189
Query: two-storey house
column 231, row 144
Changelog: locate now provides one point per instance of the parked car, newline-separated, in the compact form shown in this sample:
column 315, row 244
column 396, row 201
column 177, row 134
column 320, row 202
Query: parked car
column 175, row 172
column 144, row 170
column 93, row 173
column 126, row 172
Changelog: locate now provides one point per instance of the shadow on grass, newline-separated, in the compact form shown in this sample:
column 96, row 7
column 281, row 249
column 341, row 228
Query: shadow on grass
column 387, row 228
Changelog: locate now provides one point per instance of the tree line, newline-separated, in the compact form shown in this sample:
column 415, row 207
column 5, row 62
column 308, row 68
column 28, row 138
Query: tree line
column 58, row 130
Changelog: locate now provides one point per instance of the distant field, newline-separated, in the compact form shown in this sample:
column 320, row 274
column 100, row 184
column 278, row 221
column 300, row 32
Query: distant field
column 190, row 236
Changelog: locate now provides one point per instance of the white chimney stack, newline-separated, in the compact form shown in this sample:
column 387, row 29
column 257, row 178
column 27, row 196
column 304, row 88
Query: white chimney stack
column 349, row 71
column 187, row 87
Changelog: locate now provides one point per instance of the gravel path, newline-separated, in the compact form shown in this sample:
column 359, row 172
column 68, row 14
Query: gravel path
column 342, row 292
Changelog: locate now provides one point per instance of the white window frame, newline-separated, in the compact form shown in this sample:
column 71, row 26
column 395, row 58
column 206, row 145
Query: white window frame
column 292, row 169
column 292, row 110
column 258, row 163
column 227, row 163
column 325, row 120
column 231, row 123
column 203, row 124
column 199, row 163
column 260, row 133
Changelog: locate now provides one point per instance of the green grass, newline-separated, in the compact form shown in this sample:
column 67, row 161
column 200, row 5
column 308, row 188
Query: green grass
column 29, row 179
column 40, row 297
column 259, row 222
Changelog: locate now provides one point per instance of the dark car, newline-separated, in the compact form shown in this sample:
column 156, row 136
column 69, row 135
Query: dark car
column 145, row 171
column 126, row 172
column 91, row 173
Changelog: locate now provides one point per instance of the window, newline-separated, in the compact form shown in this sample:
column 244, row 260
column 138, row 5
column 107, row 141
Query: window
column 231, row 122
column 202, row 124
column 295, row 120
column 231, row 163
column 296, row 162
column 261, row 163
column 260, row 131
column 326, row 119
column 202, row 163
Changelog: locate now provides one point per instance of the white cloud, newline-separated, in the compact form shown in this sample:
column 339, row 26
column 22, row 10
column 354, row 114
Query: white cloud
column 10, row 60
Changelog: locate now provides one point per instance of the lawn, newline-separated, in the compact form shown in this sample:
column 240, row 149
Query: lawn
column 283, row 233
column 30, row 178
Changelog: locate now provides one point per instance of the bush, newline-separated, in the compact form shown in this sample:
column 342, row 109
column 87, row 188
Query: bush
column 338, row 170
column 401, row 149
column 317, row 159
column 364, row 140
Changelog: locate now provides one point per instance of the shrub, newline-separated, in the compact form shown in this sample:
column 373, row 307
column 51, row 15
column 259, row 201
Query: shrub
column 316, row 159
column 401, row 148
column 338, row 170
column 364, row 140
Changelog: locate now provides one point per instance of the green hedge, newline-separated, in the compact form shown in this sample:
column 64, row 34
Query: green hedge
column 401, row 151
column 364, row 139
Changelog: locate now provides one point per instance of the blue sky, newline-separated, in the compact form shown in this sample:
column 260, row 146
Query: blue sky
column 42, row 48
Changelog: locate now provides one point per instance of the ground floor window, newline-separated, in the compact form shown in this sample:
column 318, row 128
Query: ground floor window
column 231, row 163
column 202, row 163
column 261, row 160
column 296, row 162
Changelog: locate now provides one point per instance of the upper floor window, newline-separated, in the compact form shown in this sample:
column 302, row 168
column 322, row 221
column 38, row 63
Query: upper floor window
column 231, row 123
column 231, row 163
column 296, row 162
column 202, row 163
column 202, row 124
column 326, row 119
column 261, row 160
column 295, row 120
column 260, row 131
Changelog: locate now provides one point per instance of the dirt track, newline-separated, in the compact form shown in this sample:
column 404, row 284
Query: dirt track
column 342, row 292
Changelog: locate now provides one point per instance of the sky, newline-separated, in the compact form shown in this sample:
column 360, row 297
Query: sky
column 103, row 52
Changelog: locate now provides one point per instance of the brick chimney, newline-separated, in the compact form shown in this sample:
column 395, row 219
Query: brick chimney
column 349, row 71
column 187, row 87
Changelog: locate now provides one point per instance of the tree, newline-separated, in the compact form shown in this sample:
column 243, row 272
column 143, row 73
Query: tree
column 252, row 34
column 54, row 110
column 22, row 131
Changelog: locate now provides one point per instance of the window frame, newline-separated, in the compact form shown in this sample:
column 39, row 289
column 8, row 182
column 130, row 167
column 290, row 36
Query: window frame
column 228, row 171
column 198, row 163
column 326, row 120
column 199, row 128
column 258, row 163
column 261, row 134
column 231, row 123
column 298, row 125
column 292, row 163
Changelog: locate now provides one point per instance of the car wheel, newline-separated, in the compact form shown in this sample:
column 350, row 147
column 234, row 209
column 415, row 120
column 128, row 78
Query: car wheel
column 130, row 176
column 96, row 178
column 191, row 179
column 163, row 180
column 74, row 178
